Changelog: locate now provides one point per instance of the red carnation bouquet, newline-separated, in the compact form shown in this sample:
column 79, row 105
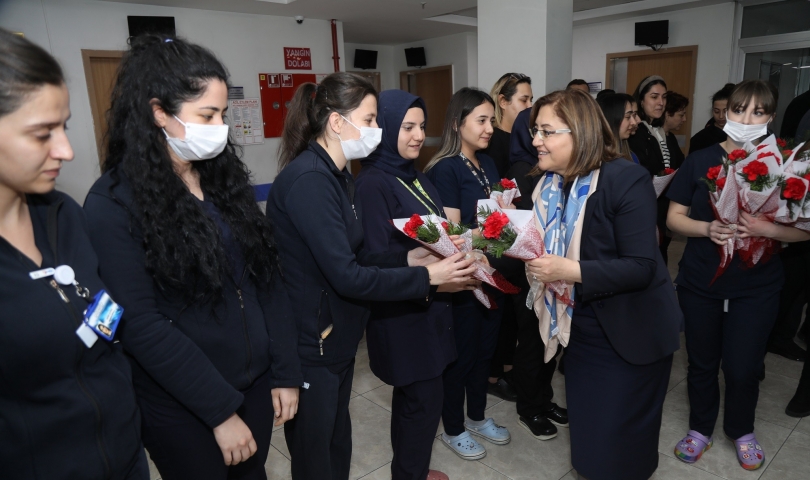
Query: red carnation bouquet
column 434, row 233
column 513, row 233
column 662, row 180
column 768, row 180
column 507, row 189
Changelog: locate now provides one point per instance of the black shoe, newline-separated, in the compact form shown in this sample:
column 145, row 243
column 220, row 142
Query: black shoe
column 799, row 406
column 502, row 390
column 790, row 351
column 558, row 416
column 540, row 427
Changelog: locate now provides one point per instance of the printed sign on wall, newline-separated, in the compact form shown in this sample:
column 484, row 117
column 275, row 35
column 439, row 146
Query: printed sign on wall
column 297, row 58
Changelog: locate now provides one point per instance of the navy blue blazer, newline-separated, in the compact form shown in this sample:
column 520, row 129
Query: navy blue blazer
column 413, row 340
column 624, row 278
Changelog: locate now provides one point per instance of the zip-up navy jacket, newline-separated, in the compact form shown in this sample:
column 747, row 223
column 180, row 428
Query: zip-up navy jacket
column 196, row 354
column 66, row 411
column 330, row 276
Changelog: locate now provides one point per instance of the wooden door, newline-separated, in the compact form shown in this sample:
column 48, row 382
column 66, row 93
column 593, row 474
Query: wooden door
column 435, row 86
column 100, row 70
column 373, row 77
column 676, row 65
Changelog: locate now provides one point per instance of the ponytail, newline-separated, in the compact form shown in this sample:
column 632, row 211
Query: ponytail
column 311, row 106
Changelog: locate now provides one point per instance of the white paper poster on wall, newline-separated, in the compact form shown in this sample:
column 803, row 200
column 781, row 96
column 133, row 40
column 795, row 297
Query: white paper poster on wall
column 246, row 121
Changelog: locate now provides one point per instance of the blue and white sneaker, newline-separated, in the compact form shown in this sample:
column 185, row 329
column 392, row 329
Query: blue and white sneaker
column 464, row 446
column 490, row 432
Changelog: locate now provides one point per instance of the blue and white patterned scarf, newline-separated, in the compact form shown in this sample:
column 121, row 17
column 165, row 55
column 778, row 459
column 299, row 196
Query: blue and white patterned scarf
column 557, row 219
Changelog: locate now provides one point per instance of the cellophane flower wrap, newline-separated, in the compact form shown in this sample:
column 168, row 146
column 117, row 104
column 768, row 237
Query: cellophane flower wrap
column 432, row 232
column 794, row 207
column 724, row 200
column 758, row 178
column 507, row 189
column 512, row 233
column 662, row 180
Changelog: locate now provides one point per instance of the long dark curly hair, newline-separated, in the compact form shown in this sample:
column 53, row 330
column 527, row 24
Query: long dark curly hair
column 184, row 251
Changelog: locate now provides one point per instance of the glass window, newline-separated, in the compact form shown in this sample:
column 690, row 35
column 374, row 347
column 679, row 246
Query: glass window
column 788, row 71
column 776, row 18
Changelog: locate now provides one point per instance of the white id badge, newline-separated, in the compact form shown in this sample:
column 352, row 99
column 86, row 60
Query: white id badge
column 103, row 315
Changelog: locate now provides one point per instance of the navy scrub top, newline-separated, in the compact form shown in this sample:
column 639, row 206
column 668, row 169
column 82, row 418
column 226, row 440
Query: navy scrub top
column 458, row 186
column 702, row 256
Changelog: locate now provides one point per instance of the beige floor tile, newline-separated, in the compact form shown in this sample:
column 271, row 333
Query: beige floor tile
column 803, row 426
column 782, row 366
column 277, row 466
column 444, row 460
column 680, row 363
column 791, row 461
column 774, row 394
column 381, row 396
column 572, row 475
column 672, row 469
column 364, row 380
column 525, row 457
column 558, row 384
column 153, row 471
column 279, row 443
column 382, row 473
column 371, row 442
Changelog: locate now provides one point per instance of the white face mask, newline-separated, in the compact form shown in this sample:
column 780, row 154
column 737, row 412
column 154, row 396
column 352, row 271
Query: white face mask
column 362, row 147
column 744, row 133
column 202, row 142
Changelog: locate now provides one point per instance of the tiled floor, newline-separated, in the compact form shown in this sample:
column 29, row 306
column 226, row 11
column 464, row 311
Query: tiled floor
column 786, row 440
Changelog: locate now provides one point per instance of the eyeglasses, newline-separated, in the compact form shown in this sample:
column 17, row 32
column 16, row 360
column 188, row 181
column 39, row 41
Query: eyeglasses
column 545, row 134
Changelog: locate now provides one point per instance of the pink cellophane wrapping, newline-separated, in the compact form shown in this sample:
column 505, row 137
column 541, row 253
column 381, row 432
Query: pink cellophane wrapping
column 445, row 247
column 661, row 183
column 796, row 165
column 508, row 195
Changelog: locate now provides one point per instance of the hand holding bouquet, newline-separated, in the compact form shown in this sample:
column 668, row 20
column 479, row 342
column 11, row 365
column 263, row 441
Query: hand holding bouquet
column 507, row 190
column 434, row 233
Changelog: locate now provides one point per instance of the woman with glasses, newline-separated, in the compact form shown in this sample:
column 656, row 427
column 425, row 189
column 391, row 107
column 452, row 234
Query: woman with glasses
column 597, row 215
column 649, row 143
column 512, row 94
column 463, row 174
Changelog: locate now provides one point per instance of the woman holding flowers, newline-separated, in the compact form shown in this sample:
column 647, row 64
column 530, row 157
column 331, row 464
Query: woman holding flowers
column 330, row 274
column 596, row 213
column 409, row 342
column 728, row 315
column 462, row 175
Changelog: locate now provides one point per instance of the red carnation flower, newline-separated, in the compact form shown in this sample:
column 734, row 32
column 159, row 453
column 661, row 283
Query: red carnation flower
column 493, row 225
column 713, row 172
column 721, row 182
column 445, row 226
column 737, row 155
column 787, row 153
column 755, row 169
column 669, row 171
column 413, row 225
column 781, row 142
column 794, row 189
column 508, row 184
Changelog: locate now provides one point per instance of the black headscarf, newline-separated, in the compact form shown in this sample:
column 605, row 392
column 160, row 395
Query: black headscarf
column 521, row 148
column 391, row 109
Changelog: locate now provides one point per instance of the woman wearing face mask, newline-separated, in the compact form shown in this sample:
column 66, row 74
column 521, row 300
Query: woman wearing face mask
column 330, row 273
column 621, row 112
column 713, row 132
column 463, row 174
column 512, row 94
column 727, row 320
column 649, row 143
column 618, row 361
column 184, row 248
column 67, row 407
column 411, row 342
column 674, row 118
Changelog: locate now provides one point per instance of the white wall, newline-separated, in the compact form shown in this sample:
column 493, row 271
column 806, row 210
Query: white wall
column 247, row 45
column 389, row 79
column 710, row 28
column 455, row 50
